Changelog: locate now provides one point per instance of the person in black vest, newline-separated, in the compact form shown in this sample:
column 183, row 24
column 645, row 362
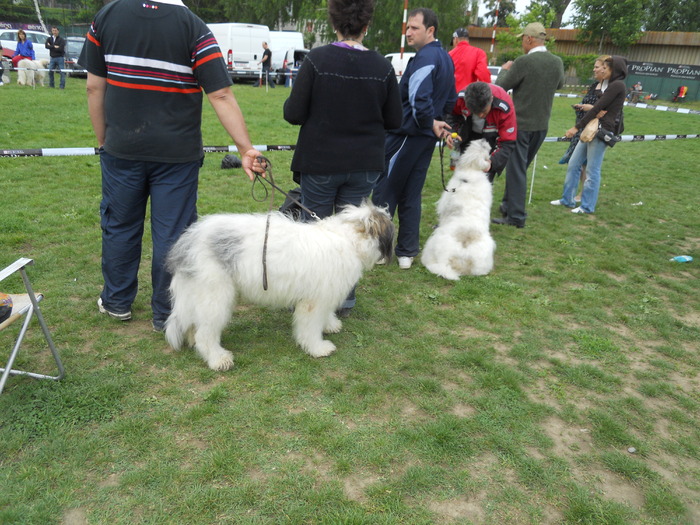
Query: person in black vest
column 56, row 45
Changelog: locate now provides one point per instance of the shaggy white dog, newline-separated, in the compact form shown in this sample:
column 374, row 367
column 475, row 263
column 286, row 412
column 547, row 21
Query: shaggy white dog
column 310, row 266
column 6, row 71
column 31, row 72
column 461, row 244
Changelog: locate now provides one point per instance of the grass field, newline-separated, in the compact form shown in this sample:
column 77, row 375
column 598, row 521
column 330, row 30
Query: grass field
column 510, row 398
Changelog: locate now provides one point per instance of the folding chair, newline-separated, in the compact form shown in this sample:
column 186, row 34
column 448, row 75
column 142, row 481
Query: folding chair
column 26, row 305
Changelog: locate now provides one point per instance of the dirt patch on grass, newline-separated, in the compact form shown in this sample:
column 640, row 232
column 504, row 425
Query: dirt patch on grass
column 355, row 487
column 74, row 517
column 567, row 438
column 618, row 489
column 456, row 510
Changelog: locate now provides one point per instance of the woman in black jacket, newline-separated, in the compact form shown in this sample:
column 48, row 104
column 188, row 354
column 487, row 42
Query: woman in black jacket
column 608, row 109
column 344, row 97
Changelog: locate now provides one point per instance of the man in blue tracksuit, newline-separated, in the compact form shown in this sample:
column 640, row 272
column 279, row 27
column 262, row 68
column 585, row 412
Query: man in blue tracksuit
column 427, row 92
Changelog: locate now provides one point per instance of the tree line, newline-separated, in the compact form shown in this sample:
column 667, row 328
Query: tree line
column 621, row 21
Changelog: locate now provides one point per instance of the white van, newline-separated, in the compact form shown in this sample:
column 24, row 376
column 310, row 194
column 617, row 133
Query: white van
column 399, row 62
column 280, row 43
column 241, row 45
column 287, row 54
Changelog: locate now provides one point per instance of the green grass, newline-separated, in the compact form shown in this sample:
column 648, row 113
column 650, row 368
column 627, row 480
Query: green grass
column 507, row 398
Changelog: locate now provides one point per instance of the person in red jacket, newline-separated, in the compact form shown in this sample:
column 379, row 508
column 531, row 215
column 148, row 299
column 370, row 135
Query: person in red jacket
column 485, row 111
column 470, row 62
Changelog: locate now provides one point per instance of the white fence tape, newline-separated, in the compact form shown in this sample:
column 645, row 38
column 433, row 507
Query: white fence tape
column 68, row 152
column 644, row 105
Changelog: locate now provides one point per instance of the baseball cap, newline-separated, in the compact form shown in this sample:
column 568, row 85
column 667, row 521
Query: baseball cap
column 460, row 32
column 535, row 30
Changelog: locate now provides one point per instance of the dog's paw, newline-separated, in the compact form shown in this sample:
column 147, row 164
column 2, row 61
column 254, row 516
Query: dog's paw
column 221, row 361
column 333, row 326
column 323, row 349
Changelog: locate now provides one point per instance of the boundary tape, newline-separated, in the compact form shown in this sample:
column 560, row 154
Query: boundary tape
column 642, row 105
column 633, row 138
column 69, row 152
column 73, row 152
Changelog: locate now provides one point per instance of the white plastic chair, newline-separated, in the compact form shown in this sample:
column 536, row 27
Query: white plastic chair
column 26, row 305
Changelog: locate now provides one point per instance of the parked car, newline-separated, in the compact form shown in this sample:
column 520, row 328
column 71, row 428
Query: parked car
column 8, row 39
column 494, row 70
column 74, row 45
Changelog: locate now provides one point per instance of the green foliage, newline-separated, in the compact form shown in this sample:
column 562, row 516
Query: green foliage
column 672, row 15
column 619, row 20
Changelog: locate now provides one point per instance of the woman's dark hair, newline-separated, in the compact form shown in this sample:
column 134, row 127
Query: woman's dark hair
column 429, row 18
column 350, row 17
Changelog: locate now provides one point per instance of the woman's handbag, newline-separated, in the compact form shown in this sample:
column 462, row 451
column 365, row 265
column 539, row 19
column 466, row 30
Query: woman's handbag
column 589, row 131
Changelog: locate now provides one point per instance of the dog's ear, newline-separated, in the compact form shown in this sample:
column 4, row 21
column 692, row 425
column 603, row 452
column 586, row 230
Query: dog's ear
column 380, row 226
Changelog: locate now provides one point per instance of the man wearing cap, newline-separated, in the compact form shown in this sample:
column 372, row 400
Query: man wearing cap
column 533, row 77
column 470, row 62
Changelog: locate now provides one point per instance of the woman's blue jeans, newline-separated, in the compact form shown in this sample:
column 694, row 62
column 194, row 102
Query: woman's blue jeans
column 591, row 154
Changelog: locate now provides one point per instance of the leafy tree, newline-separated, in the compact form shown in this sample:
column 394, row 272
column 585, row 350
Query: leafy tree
column 505, row 8
column 619, row 20
column 384, row 33
column 672, row 15
column 552, row 9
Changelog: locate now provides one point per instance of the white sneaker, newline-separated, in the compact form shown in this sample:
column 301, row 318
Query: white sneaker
column 126, row 316
column 578, row 210
column 556, row 202
column 405, row 262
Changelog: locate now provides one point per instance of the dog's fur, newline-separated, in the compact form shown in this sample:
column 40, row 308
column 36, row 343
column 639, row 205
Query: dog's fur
column 6, row 70
column 310, row 266
column 31, row 72
column 461, row 244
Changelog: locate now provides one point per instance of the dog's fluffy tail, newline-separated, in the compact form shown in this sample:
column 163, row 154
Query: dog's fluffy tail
column 174, row 327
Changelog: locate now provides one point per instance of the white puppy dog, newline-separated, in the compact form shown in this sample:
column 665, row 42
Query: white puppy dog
column 310, row 266
column 462, row 244
column 31, row 72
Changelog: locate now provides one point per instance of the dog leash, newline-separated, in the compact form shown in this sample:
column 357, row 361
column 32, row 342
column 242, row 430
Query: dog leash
column 271, row 182
column 267, row 166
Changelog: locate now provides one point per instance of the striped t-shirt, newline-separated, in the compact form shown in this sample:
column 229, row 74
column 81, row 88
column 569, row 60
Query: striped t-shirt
column 157, row 58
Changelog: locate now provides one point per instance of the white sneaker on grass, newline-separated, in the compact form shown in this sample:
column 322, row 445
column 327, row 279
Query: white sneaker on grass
column 126, row 316
column 405, row 262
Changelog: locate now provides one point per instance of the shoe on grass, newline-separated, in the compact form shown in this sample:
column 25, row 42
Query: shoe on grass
column 126, row 316
column 578, row 210
column 405, row 262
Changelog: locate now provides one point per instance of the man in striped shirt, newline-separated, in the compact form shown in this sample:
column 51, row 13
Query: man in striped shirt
column 148, row 64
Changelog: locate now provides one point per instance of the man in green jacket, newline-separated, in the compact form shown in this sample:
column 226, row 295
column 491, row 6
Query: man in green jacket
column 533, row 77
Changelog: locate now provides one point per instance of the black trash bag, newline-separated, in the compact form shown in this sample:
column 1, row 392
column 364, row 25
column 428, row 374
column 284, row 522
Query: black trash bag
column 230, row 161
